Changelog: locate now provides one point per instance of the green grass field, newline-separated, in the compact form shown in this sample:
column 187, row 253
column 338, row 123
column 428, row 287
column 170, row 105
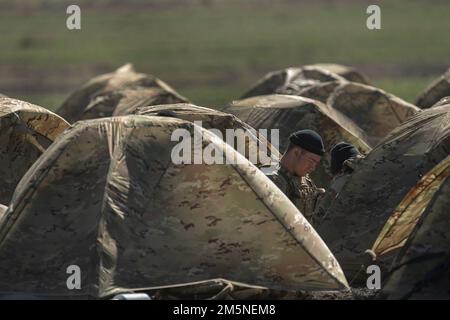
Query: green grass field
column 212, row 54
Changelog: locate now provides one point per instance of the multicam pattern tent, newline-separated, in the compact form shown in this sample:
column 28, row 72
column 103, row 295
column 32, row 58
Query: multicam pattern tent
column 404, row 218
column 437, row 90
column 3, row 209
column 372, row 109
column 291, row 113
column 126, row 101
column 107, row 197
column 348, row 73
column 294, row 81
column 442, row 102
column 119, row 92
column 381, row 182
column 320, row 91
column 422, row 270
column 26, row 130
column 213, row 119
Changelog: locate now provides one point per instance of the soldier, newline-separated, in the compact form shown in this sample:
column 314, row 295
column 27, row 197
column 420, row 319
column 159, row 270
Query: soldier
column 303, row 154
column 344, row 159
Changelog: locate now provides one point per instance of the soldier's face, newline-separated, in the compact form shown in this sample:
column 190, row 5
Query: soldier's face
column 306, row 163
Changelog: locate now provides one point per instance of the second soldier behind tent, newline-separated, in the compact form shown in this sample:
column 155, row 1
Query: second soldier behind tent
column 302, row 155
column 345, row 157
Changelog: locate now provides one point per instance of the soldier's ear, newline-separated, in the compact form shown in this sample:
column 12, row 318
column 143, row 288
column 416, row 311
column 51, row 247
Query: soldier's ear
column 298, row 152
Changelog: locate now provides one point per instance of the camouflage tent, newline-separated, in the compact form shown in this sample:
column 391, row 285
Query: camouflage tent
column 402, row 221
column 221, row 289
column 422, row 270
column 291, row 113
column 26, row 131
column 348, row 73
column 119, row 92
column 374, row 110
column 437, row 90
column 126, row 101
column 130, row 219
column 381, row 182
column 213, row 119
column 3, row 209
column 295, row 81
column 445, row 100
column 320, row 91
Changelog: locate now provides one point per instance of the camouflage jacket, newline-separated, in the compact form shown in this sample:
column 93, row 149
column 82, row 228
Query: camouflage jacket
column 302, row 192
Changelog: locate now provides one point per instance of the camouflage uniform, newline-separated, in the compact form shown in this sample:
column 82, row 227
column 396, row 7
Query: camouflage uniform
column 302, row 192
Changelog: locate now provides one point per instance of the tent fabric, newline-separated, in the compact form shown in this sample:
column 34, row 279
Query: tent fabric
column 221, row 289
column 291, row 113
column 3, row 209
column 348, row 73
column 317, row 81
column 422, row 268
column 26, row 130
column 438, row 89
column 373, row 110
column 126, row 101
column 124, row 90
column 214, row 119
column 443, row 101
column 107, row 197
column 292, row 81
column 320, row 91
column 382, row 180
column 402, row 221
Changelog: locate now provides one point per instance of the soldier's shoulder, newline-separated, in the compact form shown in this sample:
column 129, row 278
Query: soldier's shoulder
column 275, row 175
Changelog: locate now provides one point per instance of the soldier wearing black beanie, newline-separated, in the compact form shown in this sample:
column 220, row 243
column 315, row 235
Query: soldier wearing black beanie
column 308, row 140
column 345, row 158
column 292, row 175
column 339, row 154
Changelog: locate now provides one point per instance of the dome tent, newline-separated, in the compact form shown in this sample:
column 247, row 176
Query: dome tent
column 293, row 81
column 358, row 214
column 126, row 101
column 26, row 130
column 438, row 89
column 317, row 81
column 131, row 219
column 404, row 218
column 123, row 89
column 348, row 73
column 373, row 110
column 292, row 113
column 421, row 270
column 320, row 91
column 213, row 119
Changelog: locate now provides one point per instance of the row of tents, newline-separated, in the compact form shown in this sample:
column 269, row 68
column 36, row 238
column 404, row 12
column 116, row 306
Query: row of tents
column 94, row 186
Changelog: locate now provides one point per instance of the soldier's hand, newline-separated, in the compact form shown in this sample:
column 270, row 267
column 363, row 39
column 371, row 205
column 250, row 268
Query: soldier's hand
column 320, row 191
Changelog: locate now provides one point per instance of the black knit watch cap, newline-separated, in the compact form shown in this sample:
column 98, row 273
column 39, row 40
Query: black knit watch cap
column 308, row 140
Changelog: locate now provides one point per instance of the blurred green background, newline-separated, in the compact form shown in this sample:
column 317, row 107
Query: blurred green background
column 213, row 51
